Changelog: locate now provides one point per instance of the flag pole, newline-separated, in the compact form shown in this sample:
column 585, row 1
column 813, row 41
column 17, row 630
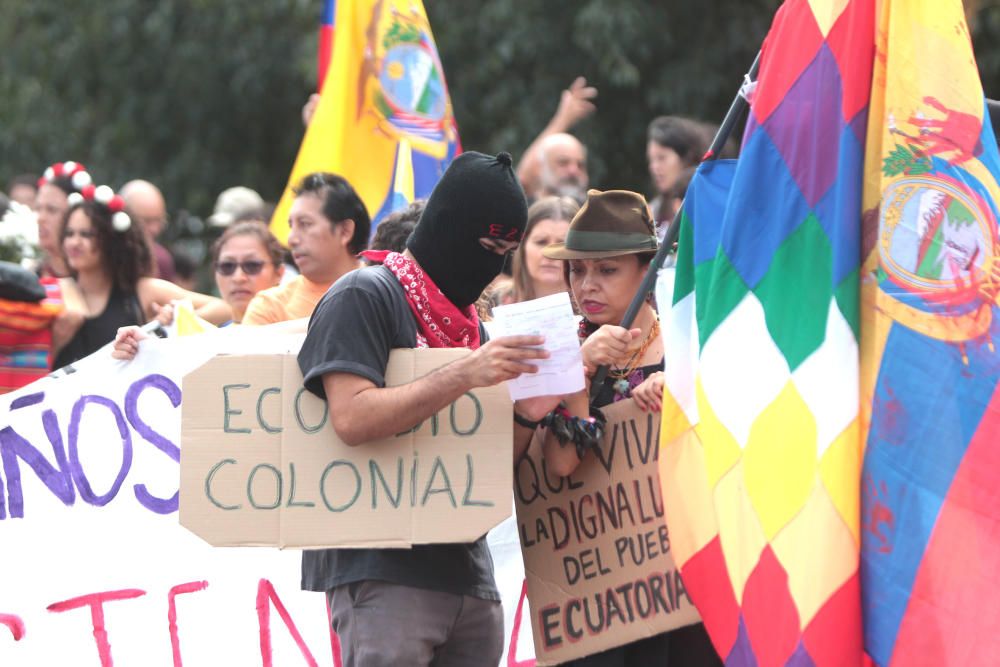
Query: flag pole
column 737, row 107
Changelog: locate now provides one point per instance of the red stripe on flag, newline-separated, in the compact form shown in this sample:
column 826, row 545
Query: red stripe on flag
column 949, row 619
column 833, row 636
column 855, row 56
column 707, row 582
column 325, row 53
column 799, row 37
column 769, row 612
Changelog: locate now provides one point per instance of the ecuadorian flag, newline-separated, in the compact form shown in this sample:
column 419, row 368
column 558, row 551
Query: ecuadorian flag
column 930, row 510
column 385, row 118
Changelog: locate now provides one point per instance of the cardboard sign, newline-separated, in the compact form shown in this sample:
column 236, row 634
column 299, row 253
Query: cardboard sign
column 262, row 465
column 595, row 544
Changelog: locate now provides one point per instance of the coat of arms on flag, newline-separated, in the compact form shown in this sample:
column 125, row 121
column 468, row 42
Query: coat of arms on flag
column 384, row 121
column 829, row 459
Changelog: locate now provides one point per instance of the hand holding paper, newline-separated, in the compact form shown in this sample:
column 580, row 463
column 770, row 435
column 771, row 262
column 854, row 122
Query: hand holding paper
column 551, row 316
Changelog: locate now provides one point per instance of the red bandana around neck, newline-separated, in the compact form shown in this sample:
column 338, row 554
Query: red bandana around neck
column 440, row 323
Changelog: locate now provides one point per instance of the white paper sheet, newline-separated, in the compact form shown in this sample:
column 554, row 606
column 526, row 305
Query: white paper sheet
column 552, row 317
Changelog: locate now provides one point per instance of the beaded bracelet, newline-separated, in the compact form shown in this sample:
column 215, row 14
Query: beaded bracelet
column 525, row 422
column 584, row 432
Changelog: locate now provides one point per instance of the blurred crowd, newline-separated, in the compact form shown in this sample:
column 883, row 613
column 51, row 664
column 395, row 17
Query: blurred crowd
column 75, row 272
column 87, row 265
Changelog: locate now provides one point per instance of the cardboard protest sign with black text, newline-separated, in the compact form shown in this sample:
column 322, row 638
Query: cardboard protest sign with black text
column 595, row 544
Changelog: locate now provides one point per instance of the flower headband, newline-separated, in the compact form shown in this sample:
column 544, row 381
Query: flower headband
column 103, row 194
column 74, row 171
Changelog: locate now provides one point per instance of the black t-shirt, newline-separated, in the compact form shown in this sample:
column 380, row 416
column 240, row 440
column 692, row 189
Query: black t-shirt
column 354, row 327
column 123, row 309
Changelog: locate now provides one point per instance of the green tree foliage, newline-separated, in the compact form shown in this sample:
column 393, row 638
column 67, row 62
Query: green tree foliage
column 507, row 62
column 199, row 95
column 195, row 95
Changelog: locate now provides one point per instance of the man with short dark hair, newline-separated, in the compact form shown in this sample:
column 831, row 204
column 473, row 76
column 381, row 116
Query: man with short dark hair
column 328, row 227
column 395, row 228
column 432, row 604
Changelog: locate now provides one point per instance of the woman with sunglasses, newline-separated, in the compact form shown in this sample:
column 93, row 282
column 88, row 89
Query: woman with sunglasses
column 110, row 262
column 247, row 259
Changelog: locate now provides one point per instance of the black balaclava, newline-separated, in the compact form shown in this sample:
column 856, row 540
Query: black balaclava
column 477, row 197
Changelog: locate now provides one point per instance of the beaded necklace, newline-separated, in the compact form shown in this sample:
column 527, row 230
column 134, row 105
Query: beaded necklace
column 621, row 375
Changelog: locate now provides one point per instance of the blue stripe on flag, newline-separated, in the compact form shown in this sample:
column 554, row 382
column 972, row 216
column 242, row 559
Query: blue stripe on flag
column 328, row 13
column 705, row 202
column 758, row 218
column 923, row 388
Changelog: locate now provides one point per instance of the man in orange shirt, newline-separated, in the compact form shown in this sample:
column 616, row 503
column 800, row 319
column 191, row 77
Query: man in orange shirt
column 329, row 226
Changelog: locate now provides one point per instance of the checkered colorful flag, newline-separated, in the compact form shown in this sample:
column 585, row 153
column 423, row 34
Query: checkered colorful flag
column 761, row 444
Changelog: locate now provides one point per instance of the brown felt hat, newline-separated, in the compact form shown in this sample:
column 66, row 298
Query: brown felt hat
column 609, row 224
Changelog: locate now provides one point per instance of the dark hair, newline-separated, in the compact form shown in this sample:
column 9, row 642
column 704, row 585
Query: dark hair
column 125, row 256
column 253, row 228
column 395, row 228
column 23, row 179
column 684, row 136
column 993, row 107
column 546, row 208
column 184, row 265
column 64, row 183
column 4, row 205
column 340, row 202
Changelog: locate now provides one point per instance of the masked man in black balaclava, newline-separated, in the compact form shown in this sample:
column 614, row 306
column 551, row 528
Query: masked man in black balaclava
column 432, row 602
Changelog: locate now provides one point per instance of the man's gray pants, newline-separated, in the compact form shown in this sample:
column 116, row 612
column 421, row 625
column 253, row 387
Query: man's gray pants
column 388, row 625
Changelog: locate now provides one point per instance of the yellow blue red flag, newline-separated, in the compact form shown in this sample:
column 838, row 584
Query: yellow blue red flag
column 326, row 28
column 930, row 510
column 385, row 95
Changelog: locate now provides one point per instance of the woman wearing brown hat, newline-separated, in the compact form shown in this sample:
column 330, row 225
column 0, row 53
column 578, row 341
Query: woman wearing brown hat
column 608, row 248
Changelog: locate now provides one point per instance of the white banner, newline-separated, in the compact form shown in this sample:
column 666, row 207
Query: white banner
column 96, row 569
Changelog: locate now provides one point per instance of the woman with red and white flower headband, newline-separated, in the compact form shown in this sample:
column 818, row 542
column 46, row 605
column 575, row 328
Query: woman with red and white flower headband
column 110, row 262
column 57, row 183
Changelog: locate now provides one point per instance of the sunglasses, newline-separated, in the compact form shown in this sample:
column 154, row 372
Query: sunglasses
column 250, row 267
